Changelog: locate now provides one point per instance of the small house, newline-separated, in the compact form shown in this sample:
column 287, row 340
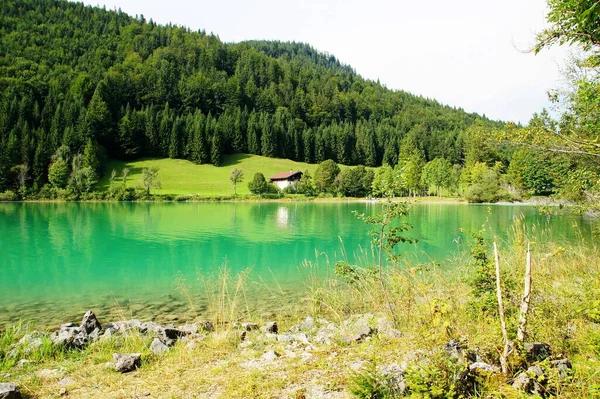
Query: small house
column 284, row 179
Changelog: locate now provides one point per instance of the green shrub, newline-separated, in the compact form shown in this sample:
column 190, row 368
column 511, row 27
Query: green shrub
column 369, row 384
column 9, row 195
column 440, row 376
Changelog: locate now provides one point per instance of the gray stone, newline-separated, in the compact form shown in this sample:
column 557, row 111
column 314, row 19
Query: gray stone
column 157, row 347
column 31, row 342
column 90, row 322
column 150, row 326
column 270, row 356
column 169, row 336
column 307, row 324
column 393, row 378
column 206, row 325
column 562, row 366
column 80, row 340
column 364, row 332
column 189, row 328
column 63, row 392
column 126, row 362
column 9, row 391
column 481, row 366
column 66, row 381
column 537, row 351
column 65, row 336
column 535, row 370
column 271, row 327
column 249, row 326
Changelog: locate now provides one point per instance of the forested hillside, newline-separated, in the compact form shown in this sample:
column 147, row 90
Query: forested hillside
column 78, row 83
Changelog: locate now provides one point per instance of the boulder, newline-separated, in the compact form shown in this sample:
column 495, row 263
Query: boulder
column 126, row 362
column 157, row 347
column 9, row 391
column 271, row 327
column 90, row 323
column 537, row 351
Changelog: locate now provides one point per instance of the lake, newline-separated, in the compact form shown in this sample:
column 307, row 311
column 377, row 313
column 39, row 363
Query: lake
column 150, row 260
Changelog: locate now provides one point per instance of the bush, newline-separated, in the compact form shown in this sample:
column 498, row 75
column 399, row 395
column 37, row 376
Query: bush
column 9, row 195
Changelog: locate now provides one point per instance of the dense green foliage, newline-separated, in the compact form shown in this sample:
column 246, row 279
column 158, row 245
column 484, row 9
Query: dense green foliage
column 98, row 81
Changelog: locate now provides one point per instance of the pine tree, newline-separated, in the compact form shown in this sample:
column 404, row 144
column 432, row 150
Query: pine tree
column 215, row 149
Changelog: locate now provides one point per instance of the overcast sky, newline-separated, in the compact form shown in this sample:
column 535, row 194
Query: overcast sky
column 465, row 53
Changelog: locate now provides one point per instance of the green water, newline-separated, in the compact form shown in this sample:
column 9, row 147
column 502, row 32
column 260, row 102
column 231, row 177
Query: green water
column 60, row 259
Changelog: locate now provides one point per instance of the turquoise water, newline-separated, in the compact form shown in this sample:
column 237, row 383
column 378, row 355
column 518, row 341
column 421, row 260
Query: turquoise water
column 59, row 259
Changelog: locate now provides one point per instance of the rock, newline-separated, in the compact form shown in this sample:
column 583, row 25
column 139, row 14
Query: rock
column 526, row 384
column 157, row 347
column 29, row 343
column 537, row 351
column 80, row 340
column 63, row 392
column 246, row 344
column 9, row 391
column 535, row 370
column 189, row 328
column 307, row 324
column 66, row 381
column 481, row 366
column 562, row 366
column 150, row 326
column 364, row 332
column 271, row 327
column 306, row 356
column 393, row 378
column 65, row 336
column 170, row 335
column 270, row 356
column 126, row 362
column 90, row 323
column 206, row 326
column 249, row 326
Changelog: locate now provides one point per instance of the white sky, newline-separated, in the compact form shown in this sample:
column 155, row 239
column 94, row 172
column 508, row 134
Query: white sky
column 464, row 53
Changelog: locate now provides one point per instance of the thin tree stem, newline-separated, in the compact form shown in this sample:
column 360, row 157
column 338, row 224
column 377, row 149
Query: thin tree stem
column 503, row 358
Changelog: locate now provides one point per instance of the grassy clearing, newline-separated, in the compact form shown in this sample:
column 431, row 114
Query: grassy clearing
column 183, row 177
column 431, row 307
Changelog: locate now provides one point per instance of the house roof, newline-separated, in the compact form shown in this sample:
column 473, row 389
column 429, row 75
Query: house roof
column 285, row 175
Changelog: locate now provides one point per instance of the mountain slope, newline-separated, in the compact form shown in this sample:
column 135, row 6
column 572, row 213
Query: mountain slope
column 84, row 77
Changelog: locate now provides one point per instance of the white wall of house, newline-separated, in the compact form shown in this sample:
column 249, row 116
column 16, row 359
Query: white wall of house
column 281, row 184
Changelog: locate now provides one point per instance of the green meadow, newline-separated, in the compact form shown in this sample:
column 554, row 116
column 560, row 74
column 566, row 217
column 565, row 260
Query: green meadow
column 182, row 177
